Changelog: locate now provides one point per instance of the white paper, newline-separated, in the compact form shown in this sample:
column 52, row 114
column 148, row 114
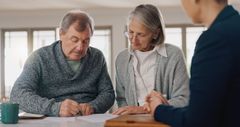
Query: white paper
column 96, row 118
column 29, row 115
column 60, row 119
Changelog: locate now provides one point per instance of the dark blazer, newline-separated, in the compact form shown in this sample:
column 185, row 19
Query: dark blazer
column 215, row 78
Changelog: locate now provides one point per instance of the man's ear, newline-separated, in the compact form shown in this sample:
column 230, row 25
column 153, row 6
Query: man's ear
column 61, row 33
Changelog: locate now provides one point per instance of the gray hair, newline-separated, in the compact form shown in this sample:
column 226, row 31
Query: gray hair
column 151, row 17
column 77, row 16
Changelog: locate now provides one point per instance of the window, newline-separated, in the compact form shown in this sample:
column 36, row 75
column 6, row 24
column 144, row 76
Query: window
column 174, row 36
column 193, row 34
column 18, row 44
column 102, row 40
column 185, row 37
column 42, row 38
column 15, row 55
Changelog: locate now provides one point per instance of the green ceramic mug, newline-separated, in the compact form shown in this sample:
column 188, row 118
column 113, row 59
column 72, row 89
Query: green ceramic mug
column 9, row 113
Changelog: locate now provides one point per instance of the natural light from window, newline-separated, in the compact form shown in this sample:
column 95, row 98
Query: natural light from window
column 174, row 36
column 193, row 34
column 16, row 49
column 43, row 38
column 101, row 40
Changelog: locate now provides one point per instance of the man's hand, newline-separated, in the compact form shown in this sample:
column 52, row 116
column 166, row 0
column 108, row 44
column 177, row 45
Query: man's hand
column 86, row 109
column 68, row 108
column 130, row 110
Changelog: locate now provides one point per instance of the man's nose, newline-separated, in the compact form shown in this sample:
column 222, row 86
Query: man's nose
column 80, row 46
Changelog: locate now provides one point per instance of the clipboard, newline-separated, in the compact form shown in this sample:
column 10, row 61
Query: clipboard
column 139, row 120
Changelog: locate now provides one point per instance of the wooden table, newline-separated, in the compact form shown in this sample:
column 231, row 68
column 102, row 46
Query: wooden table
column 140, row 120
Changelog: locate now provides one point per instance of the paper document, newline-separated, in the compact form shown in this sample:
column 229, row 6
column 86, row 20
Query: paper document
column 24, row 115
column 60, row 119
column 96, row 118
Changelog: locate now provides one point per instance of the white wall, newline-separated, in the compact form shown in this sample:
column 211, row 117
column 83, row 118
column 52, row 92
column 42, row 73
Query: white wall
column 103, row 17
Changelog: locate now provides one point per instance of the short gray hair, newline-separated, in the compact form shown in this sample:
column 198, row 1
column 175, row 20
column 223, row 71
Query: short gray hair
column 77, row 16
column 151, row 17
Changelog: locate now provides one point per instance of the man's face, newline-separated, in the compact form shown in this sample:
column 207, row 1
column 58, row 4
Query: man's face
column 75, row 44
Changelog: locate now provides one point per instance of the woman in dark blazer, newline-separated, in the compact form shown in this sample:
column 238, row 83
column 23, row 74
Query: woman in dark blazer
column 215, row 71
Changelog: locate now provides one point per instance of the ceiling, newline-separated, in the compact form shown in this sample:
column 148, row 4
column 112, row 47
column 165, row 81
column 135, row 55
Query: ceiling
column 83, row 4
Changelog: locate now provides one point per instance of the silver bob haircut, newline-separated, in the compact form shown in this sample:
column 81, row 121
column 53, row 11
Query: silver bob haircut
column 151, row 18
column 81, row 18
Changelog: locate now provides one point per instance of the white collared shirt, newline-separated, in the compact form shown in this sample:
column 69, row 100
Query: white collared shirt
column 144, row 64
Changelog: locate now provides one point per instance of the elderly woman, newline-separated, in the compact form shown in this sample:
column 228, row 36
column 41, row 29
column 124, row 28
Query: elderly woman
column 149, row 64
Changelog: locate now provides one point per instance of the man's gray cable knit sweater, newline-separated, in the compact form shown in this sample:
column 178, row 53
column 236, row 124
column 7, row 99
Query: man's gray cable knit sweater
column 47, row 80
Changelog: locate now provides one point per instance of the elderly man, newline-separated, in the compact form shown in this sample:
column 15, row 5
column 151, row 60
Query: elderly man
column 67, row 77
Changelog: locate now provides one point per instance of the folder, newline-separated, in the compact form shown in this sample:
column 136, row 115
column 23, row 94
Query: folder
column 139, row 120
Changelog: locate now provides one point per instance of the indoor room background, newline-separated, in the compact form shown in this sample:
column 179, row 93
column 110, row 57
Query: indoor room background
column 26, row 25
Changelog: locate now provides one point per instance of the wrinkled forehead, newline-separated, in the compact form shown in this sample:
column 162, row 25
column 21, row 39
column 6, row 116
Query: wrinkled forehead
column 83, row 34
column 81, row 26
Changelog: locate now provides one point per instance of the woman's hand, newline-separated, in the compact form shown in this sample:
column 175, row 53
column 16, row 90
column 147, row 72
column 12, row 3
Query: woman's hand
column 153, row 100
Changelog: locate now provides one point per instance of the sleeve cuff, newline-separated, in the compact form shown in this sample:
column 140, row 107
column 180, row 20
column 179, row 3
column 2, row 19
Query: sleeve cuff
column 55, row 109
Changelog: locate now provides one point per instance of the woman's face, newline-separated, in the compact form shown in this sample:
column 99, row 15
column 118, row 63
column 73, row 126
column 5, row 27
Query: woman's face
column 192, row 8
column 139, row 36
